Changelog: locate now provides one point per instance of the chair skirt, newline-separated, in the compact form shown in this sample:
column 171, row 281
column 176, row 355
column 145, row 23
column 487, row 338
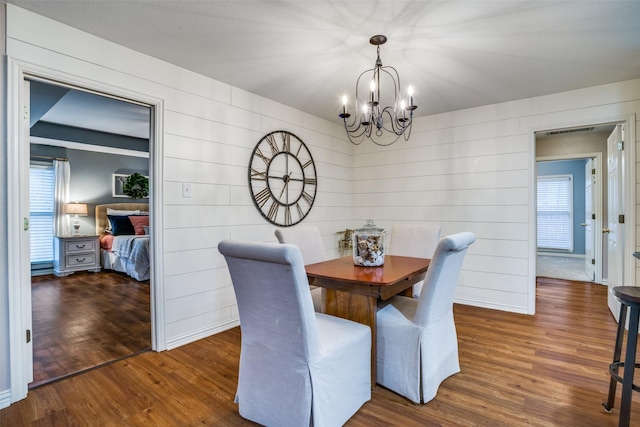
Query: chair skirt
column 413, row 360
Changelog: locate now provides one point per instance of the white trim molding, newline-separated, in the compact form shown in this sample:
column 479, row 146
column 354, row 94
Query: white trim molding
column 5, row 398
column 629, row 120
column 17, row 237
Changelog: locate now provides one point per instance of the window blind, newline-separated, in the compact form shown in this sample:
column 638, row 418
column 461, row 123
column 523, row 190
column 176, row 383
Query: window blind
column 555, row 212
column 41, row 212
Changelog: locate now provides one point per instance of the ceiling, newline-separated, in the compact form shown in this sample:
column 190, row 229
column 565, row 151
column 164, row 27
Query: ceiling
column 307, row 54
column 69, row 107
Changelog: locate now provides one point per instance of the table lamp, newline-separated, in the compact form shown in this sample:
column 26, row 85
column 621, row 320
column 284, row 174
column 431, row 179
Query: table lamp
column 76, row 209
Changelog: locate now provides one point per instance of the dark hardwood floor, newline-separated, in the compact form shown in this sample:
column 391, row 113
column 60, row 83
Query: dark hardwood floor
column 85, row 320
column 549, row 369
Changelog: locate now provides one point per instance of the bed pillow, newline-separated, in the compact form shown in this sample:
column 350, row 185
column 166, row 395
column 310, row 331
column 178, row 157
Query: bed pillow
column 139, row 222
column 122, row 212
column 121, row 225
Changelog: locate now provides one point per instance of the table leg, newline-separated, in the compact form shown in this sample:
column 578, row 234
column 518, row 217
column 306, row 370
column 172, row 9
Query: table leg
column 356, row 307
column 407, row 292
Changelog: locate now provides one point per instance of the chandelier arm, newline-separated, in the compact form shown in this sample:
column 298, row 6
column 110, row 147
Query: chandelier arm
column 397, row 93
column 354, row 142
column 397, row 127
column 407, row 133
column 384, row 145
column 359, row 132
column 396, row 80
column 392, row 120
column 357, row 116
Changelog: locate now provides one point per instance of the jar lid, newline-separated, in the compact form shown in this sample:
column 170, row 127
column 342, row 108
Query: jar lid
column 370, row 227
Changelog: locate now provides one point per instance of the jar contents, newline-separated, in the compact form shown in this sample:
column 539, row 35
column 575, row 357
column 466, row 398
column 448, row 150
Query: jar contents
column 368, row 245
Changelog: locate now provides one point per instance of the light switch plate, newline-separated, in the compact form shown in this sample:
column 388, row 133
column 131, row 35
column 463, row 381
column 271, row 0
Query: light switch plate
column 186, row 189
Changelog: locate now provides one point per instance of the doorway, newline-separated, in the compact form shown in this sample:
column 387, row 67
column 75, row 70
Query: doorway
column 581, row 154
column 624, row 214
column 100, row 316
column 18, row 159
column 568, row 210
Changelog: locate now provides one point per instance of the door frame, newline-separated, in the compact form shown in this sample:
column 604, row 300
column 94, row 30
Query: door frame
column 599, row 200
column 19, row 274
column 629, row 192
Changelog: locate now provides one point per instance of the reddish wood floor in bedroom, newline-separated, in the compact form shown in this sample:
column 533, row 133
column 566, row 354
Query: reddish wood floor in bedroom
column 85, row 320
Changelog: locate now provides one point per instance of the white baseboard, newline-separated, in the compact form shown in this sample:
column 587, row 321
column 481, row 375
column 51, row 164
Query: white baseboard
column 5, row 398
column 201, row 333
column 490, row 305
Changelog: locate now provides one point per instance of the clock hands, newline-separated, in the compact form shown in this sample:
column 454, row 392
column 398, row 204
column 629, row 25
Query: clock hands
column 286, row 179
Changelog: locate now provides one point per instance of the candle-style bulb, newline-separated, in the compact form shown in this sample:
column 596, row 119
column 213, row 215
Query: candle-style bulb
column 410, row 90
column 372, row 86
column 344, row 100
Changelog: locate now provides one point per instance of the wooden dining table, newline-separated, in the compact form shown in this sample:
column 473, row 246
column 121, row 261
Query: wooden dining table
column 352, row 292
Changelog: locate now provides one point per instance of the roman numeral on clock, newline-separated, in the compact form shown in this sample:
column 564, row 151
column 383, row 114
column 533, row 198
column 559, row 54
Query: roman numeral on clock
column 263, row 196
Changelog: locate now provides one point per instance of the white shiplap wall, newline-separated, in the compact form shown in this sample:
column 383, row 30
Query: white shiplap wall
column 210, row 129
column 469, row 176
column 473, row 170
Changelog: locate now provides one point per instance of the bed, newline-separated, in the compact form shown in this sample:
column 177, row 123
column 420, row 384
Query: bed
column 122, row 248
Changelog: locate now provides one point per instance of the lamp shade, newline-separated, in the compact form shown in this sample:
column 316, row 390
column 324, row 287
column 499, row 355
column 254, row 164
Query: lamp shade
column 76, row 209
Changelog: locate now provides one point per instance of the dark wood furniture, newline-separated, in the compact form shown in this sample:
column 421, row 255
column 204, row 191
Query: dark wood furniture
column 629, row 297
column 352, row 292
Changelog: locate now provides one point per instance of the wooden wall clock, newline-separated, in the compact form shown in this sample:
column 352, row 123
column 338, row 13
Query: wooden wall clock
column 282, row 178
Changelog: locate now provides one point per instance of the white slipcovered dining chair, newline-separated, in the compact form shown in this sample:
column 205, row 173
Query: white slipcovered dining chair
column 414, row 240
column 297, row 367
column 417, row 345
column 309, row 240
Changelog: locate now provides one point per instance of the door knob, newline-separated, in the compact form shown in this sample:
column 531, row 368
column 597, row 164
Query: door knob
column 584, row 224
column 606, row 230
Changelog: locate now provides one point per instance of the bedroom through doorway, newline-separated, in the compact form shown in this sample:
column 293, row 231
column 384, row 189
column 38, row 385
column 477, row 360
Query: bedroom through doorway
column 90, row 305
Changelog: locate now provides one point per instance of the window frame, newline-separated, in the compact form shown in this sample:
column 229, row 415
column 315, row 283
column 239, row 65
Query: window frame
column 40, row 263
column 567, row 243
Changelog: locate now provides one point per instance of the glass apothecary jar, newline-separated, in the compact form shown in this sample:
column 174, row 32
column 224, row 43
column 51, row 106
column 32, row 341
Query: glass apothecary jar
column 368, row 245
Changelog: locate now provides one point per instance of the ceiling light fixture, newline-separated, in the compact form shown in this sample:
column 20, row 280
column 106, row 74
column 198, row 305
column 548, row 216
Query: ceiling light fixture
column 383, row 125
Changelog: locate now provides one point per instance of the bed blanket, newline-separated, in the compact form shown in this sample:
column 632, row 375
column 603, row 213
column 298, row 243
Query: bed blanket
column 134, row 254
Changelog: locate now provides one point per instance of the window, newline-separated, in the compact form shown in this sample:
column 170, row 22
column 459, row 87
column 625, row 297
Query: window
column 555, row 212
column 41, row 202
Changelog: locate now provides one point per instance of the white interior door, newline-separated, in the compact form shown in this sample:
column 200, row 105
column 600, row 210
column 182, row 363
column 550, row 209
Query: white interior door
column 588, row 224
column 615, row 230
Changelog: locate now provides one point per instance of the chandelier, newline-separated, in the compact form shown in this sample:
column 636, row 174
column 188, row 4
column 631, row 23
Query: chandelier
column 382, row 124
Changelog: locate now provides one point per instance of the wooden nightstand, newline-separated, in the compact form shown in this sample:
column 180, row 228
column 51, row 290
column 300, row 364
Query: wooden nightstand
column 75, row 253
